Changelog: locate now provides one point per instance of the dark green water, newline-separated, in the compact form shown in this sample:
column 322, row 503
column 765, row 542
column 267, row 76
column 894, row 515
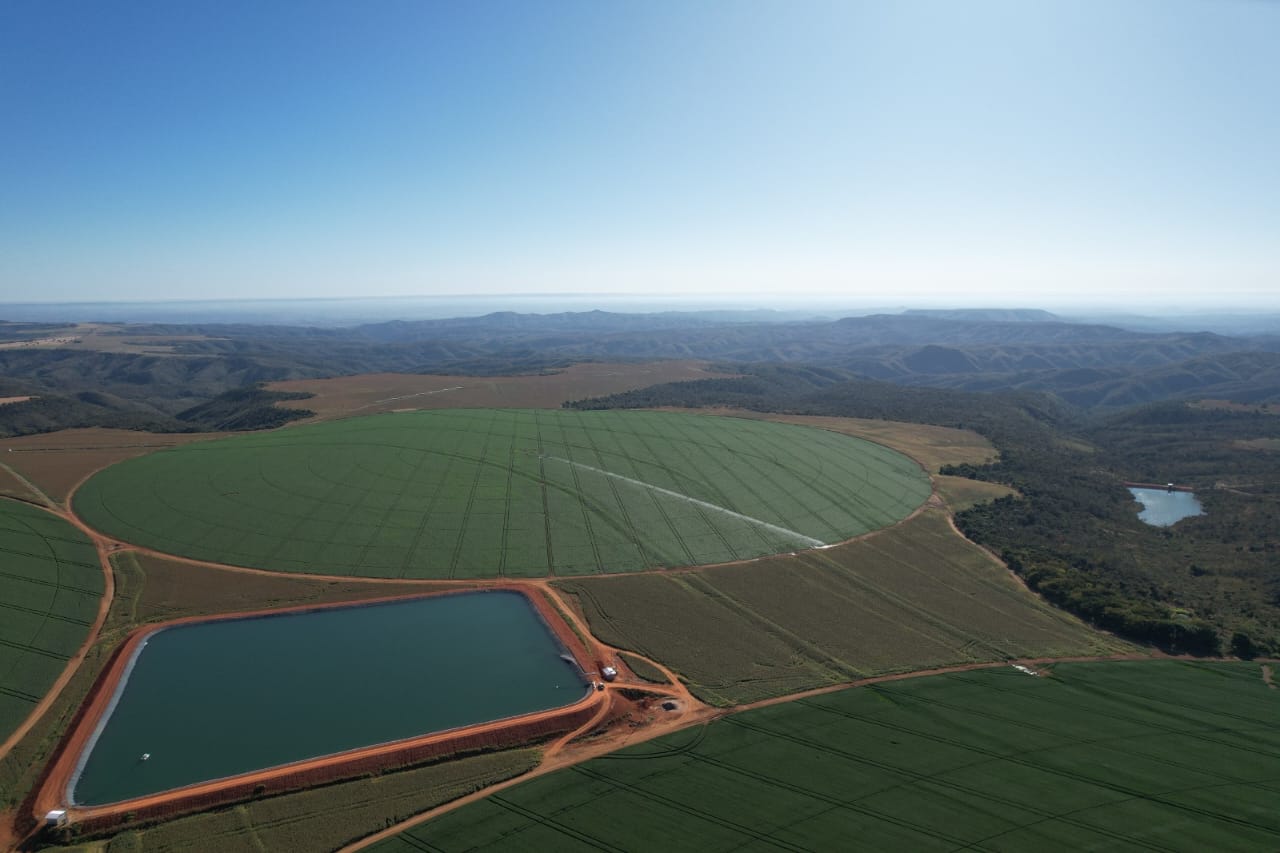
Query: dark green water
column 216, row 699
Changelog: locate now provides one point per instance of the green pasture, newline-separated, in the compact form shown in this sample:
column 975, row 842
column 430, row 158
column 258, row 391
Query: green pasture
column 50, row 586
column 1109, row 756
column 469, row 493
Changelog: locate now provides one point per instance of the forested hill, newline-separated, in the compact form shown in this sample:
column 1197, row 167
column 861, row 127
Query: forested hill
column 1209, row 585
column 1087, row 364
column 146, row 375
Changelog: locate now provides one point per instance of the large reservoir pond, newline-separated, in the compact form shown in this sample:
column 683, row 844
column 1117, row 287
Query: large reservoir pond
column 215, row 699
column 1160, row 508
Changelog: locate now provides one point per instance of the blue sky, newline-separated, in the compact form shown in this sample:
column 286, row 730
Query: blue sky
column 1099, row 153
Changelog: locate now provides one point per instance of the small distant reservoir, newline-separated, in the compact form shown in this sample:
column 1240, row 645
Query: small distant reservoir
column 1161, row 507
column 208, row 700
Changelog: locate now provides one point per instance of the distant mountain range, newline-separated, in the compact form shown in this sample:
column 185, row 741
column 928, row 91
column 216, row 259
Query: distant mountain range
column 1086, row 365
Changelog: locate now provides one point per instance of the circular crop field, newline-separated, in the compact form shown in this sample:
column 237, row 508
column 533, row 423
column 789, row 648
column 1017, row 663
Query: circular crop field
column 468, row 493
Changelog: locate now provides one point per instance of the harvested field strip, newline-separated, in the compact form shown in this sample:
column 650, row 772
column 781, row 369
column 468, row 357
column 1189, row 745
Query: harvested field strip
column 916, row 596
column 515, row 493
column 1104, row 755
column 50, row 587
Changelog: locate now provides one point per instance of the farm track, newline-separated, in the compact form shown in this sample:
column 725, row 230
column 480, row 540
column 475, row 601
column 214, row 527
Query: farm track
column 101, row 545
column 564, row 753
column 106, row 545
column 569, row 749
column 560, row 753
column 44, row 500
column 350, row 763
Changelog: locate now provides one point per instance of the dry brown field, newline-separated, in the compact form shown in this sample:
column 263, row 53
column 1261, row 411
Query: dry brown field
column 12, row 485
column 931, row 446
column 105, row 337
column 371, row 393
column 56, row 461
column 960, row 493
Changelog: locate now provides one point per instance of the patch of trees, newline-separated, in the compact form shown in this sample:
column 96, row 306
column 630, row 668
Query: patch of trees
column 246, row 409
column 52, row 412
column 216, row 390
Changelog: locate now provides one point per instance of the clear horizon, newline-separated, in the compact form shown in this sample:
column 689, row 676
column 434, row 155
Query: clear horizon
column 1086, row 156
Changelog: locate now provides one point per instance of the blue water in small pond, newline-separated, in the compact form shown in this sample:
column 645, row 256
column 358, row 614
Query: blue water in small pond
column 214, row 699
column 1161, row 508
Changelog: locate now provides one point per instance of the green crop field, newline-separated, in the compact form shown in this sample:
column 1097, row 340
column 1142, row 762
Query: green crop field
column 481, row 493
column 50, row 586
column 1116, row 756
column 914, row 597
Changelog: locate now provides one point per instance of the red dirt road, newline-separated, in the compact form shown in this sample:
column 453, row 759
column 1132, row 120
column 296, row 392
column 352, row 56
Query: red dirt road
column 73, row 664
column 595, row 729
column 568, row 753
column 53, row 787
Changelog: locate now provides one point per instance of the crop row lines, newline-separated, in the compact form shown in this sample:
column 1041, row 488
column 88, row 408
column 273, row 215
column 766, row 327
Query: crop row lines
column 1017, row 758
column 645, row 555
column 70, row 620
column 586, row 515
column 935, row 779
column 835, row 668
column 577, row 835
column 36, row 650
column 684, row 808
column 1051, row 735
column 1204, row 736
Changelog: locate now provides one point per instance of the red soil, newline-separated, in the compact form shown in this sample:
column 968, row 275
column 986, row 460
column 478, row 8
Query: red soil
column 51, row 791
column 73, row 664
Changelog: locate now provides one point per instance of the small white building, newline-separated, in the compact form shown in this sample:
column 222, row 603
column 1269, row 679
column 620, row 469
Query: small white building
column 56, row 818
column 609, row 673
